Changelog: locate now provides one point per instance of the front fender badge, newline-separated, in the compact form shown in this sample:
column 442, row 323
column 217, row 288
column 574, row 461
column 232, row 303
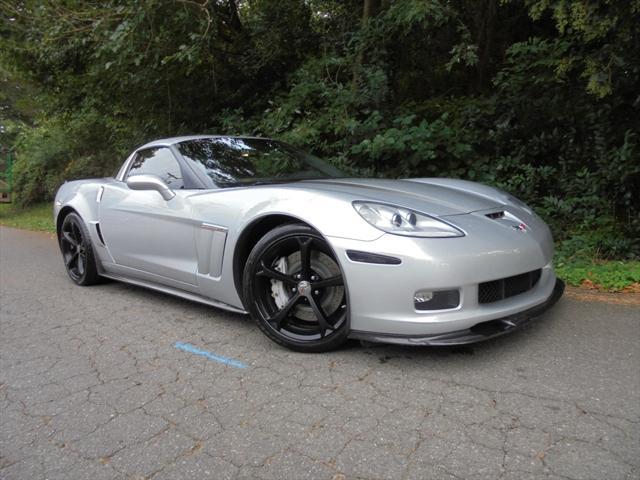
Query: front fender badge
column 522, row 227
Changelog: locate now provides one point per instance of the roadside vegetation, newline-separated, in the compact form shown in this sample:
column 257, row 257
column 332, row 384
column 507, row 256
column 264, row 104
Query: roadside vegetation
column 604, row 275
column 38, row 217
column 537, row 97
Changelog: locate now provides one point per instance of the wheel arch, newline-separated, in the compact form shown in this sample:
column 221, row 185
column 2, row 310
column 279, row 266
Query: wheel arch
column 251, row 235
column 66, row 210
column 292, row 228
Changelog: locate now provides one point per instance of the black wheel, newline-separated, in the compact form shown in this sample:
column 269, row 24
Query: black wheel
column 294, row 289
column 77, row 251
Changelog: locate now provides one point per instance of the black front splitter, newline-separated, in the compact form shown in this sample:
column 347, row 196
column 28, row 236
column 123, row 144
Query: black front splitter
column 478, row 333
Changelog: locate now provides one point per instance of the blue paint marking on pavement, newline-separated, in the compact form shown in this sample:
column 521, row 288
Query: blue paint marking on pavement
column 187, row 347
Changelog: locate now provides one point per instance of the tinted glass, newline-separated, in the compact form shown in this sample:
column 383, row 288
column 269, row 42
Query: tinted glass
column 231, row 162
column 159, row 162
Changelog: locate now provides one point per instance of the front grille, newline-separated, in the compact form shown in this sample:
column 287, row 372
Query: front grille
column 502, row 288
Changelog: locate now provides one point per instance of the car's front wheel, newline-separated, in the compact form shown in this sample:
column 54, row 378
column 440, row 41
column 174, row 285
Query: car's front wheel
column 295, row 290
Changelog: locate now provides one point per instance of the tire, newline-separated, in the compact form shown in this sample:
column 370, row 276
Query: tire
column 295, row 291
column 77, row 251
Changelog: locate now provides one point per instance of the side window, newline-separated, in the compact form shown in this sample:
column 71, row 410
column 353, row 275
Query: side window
column 159, row 162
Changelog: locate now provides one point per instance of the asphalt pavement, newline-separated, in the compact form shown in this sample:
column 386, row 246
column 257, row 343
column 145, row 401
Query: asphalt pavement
column 114, row 381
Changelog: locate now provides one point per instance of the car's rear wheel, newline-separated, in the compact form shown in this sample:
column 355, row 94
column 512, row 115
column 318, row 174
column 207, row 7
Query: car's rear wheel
column 77, row 251
column 295, row 290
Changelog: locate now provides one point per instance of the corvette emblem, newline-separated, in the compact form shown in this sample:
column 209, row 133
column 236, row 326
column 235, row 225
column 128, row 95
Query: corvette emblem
column 520, row 228
column 304, row 288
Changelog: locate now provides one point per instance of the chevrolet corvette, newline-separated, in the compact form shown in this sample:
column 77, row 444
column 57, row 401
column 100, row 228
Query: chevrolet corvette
column 253, row 225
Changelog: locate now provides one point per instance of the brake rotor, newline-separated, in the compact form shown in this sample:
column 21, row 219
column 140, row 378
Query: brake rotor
column 323, row 266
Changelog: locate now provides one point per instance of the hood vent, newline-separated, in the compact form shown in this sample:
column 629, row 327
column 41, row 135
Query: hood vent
column 495, row 215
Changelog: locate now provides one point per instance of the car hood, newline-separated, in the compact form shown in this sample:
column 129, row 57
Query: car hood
column 419, row 194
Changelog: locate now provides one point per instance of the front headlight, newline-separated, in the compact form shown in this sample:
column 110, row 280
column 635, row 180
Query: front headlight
column 402, row 221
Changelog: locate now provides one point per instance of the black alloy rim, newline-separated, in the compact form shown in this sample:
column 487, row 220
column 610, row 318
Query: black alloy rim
column 74, row 249
column 305, row 285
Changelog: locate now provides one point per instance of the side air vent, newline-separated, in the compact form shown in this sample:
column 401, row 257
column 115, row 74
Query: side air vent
column 495, row 215
column 100, row 234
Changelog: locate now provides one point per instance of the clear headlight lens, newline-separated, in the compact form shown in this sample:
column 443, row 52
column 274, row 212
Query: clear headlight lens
column 402, row 221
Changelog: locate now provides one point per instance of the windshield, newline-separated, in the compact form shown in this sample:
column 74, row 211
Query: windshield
column 231, row 161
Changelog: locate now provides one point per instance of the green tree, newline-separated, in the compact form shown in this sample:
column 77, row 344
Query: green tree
column 539, row 97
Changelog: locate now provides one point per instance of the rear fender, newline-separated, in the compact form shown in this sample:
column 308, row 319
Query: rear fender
column 82, row 197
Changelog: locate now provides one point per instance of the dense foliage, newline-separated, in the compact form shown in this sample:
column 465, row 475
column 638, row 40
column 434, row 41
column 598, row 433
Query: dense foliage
column 538, row 97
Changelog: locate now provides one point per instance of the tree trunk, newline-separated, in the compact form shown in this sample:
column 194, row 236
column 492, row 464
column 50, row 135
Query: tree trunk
column 234, row 18
column 485, row 37
column 369, row 10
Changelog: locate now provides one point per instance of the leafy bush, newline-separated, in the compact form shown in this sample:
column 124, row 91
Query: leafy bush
column 68, row 146
column 614, row 275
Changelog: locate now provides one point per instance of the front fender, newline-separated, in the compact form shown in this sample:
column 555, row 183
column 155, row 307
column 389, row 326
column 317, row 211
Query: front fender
column 330, row 214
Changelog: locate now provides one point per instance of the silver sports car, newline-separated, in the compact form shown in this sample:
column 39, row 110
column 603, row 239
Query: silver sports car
column 256, row 226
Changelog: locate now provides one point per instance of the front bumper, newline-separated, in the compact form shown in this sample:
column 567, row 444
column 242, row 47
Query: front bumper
column 478, row 333
column 381, row 295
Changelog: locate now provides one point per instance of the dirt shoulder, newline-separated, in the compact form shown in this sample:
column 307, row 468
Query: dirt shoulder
column 618, row 298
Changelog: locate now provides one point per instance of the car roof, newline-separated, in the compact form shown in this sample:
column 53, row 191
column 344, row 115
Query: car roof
column 163, row 142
